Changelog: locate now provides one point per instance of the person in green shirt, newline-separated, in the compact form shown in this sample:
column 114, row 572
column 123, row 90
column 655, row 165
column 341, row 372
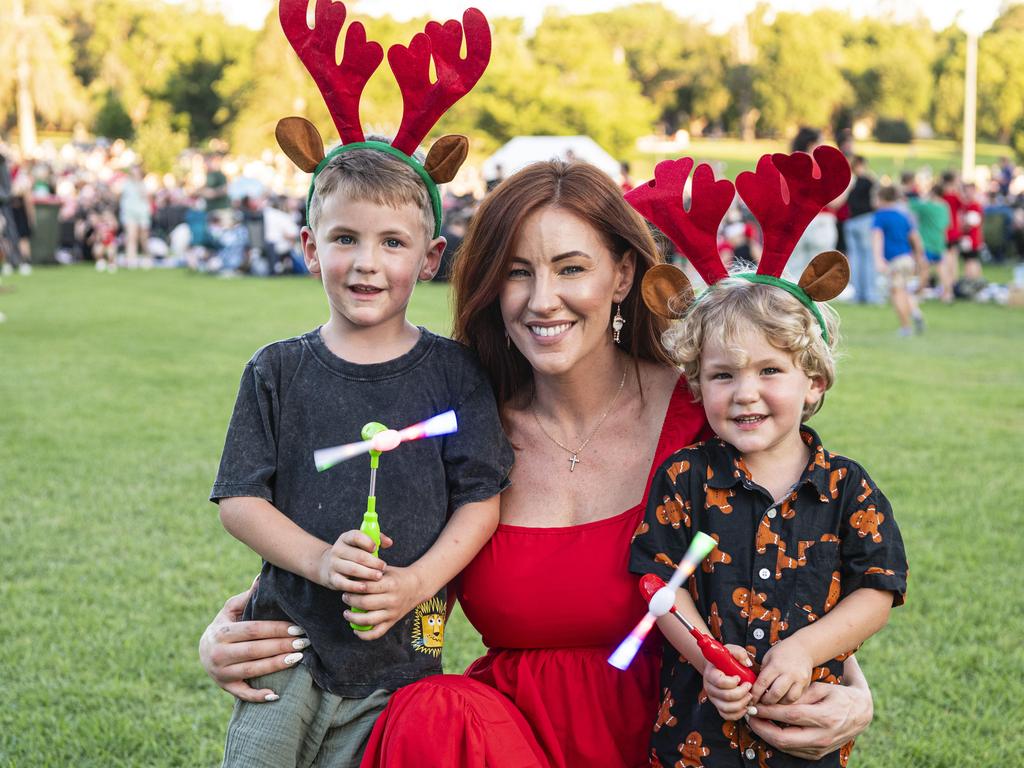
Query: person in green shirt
column 933, row 215
column 215, row 190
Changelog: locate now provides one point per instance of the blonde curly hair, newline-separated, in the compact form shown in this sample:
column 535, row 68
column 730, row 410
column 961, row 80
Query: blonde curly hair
column 733, row 307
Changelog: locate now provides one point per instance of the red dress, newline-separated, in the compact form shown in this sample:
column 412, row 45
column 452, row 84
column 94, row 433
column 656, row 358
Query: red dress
column 551, row 605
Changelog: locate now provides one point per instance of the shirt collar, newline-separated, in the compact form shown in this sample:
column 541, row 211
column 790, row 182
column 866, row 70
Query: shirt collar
column 726, row 468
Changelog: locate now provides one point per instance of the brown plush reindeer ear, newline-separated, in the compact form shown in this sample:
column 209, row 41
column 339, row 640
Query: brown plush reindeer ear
column 446, row 157
column 826, row 276
column 666, row 291
column 300, row 140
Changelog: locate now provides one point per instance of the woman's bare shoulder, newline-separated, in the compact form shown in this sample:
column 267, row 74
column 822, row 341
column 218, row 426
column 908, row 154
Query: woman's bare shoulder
column 659, row 381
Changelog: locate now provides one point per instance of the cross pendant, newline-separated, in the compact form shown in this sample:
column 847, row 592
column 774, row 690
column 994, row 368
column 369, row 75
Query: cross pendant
column 573, row 461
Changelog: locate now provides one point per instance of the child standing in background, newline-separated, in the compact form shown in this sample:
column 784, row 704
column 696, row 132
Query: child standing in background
column 898, row 257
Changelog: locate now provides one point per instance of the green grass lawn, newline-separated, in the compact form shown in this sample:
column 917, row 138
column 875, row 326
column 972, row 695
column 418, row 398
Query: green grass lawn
column 115, row 391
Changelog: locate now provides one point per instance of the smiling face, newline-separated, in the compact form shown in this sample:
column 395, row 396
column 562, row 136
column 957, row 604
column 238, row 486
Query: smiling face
column 368, row 257
column 556, row 301
column 754, row 394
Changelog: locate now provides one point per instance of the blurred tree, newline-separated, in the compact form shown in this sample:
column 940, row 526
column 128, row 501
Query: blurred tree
column 948, row 101
column 586, row 88
column 183, row 73
column 501, row 107
column 274, row 84
column 1012, row 17
column 112, row 120
column 889, row 66
column 1000, row 79
column 1000, row 83
column 566, row 80
column 39, row 81
column 157, row 142
column 797, row 77
column 155, row 51
column 1017, row 141
column 279, row 86
column 743, row 113
column 679, row 64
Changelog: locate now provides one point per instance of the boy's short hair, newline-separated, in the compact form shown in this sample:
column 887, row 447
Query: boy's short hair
column 888, row 194
column 375, row 177
column 734, row 307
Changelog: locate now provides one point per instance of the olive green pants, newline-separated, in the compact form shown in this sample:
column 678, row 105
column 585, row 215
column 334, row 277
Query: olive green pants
column 306, row 728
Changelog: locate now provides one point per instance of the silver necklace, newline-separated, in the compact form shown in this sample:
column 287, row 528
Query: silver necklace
column 574, row 455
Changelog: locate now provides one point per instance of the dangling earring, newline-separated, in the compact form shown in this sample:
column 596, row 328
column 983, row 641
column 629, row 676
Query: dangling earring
column 617, row 322
column 508, row 341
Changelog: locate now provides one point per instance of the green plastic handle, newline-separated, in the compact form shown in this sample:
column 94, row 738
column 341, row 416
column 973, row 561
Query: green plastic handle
column 370, row 525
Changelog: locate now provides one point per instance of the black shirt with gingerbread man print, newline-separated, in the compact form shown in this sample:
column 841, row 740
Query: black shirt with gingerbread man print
column 778, row 567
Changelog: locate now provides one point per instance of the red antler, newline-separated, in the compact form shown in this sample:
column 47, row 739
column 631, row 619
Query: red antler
column 695, row 232
column 785, row 193
column 425, row 102
column 341, row 85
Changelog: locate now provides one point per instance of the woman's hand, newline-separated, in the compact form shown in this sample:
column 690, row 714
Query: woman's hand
column 233, row 651
column 825, row 718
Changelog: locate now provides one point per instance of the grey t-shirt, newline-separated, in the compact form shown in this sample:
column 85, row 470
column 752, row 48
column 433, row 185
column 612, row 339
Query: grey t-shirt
column 297, row 396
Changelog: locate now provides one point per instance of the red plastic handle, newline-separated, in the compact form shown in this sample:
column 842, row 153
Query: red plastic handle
column 649, row 584
column 719, row 656
column 713, row 650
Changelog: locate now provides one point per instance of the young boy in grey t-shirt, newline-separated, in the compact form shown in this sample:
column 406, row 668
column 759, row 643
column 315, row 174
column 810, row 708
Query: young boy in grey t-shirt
column 369, row 240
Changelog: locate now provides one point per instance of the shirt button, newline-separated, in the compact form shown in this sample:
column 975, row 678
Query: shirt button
column 764, row 573
column 750, row 754
column 771, row 514
column 759, row 634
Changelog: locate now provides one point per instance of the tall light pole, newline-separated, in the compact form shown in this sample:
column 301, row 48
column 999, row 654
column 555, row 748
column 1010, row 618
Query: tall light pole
column 974, row 17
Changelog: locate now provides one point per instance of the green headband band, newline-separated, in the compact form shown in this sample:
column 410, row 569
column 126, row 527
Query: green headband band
column 380, row 146
column 792, row 289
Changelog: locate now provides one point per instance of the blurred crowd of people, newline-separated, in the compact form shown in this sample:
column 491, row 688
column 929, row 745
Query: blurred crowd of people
column 111, row 212
column 223, row 216
column 919, row 236
column 215, row 215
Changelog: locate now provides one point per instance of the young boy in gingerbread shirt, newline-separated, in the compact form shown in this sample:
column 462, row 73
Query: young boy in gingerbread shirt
column 809, row 559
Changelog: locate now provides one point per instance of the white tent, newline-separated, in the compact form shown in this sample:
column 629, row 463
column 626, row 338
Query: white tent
column 524, row 150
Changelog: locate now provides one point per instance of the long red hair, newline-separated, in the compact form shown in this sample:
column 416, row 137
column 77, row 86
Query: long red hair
column 481, row 264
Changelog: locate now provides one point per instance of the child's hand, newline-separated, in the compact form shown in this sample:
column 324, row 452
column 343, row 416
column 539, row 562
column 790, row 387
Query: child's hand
column 785, row 673
column 350, row 565
column 385, row 602
column 730, row 697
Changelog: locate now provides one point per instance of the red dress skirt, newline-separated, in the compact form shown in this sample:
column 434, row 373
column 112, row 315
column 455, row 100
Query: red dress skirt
column 551, row 605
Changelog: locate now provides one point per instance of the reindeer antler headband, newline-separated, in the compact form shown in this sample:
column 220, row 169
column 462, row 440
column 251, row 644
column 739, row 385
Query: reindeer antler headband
column 423, row 102
column 784, row 193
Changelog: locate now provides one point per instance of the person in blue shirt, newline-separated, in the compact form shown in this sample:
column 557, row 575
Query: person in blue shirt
column 899, row 255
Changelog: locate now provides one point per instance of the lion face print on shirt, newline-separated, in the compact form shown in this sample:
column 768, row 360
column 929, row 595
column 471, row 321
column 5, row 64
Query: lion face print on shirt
column 428, row 626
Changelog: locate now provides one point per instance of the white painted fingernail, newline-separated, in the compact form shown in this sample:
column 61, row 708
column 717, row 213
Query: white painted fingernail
column 292, row 658
column 300, row 643
column 271, row 697
column 748, row 662
column 752, row 711
column 294, row 630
